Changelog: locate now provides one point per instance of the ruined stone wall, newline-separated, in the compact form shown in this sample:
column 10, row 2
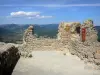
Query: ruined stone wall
column 31, row 43
column 89, row 50
column 28, row 35
column 69, row 39
column 67, row 30
column 9, row 56
column 91, row 33
column 42, row 44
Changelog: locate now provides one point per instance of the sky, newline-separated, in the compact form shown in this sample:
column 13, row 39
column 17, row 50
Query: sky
column 48, row 11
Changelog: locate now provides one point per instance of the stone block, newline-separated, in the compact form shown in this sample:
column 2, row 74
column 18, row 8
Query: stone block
column 97, row 61
column 97, row 56
column 98, row 51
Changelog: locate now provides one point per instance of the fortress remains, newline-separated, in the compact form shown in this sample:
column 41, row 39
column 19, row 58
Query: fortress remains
column 78, row 39
column 73, row 37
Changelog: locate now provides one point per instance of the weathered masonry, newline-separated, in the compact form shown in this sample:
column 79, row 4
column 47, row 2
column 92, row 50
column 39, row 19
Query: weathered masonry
column 78, row 39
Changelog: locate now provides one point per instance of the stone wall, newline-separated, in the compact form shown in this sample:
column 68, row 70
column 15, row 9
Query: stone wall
column 88, row 50
column 31, row 43
column 28, row 35
column 69, row 39
column 9, row 56
column 68, row 30
column 91, row 33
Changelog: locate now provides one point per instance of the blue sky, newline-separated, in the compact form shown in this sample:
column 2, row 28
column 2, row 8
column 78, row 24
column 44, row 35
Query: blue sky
column 48, row 11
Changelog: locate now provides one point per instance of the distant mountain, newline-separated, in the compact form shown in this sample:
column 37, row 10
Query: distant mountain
column 49, row 30
column 98, row 29
column 10, row 33
column 14, row 33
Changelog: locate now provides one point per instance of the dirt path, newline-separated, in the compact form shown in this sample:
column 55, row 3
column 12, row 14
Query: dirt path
column 53, row 63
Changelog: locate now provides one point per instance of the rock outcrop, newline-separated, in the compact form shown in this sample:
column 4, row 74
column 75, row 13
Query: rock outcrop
column 9, row 55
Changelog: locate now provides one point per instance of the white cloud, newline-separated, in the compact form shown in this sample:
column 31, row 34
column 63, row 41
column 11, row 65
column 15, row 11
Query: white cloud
column 22, row 13
column 46, row 16
column 40, row 17
column 69, row 5
column 29, row 15
column 54, row 5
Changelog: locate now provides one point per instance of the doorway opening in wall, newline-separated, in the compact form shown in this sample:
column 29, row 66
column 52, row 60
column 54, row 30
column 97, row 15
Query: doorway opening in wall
column 78, row 30
column 46, row 31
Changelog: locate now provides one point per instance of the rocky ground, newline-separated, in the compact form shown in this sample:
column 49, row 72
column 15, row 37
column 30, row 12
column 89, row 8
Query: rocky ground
column 9, row 55
column 53, row 63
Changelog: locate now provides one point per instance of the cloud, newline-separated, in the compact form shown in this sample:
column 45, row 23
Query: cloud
column 54, row 5
column 22, row 13
column 68, row 5
column 40, row 17
column 29, row 15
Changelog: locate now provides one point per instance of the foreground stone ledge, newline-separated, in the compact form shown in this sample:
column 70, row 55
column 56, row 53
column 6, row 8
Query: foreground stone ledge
column 9, row 56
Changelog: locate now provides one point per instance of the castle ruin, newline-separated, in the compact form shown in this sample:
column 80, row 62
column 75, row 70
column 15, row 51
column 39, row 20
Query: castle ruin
column 78, row 39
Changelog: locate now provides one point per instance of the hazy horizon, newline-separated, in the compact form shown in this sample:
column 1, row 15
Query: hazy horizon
column 37, row 24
